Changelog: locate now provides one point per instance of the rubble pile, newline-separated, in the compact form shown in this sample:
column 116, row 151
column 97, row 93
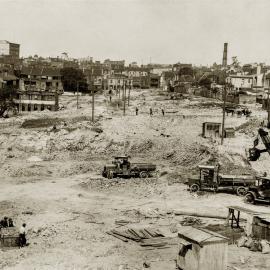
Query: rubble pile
column 250, row 127
column 254, row 244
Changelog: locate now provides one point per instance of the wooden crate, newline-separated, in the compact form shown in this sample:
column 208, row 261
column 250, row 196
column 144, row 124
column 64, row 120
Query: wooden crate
column 9, row 237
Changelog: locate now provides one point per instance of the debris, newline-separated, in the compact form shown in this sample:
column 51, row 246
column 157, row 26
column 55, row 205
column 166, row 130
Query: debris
column 136, row 234
column 265, row 247
column 117, row 236
column 191, row 221
column 121, row 222
column 193, row 214
column 241, row 242
column 97, row 129
column 146, row 265
column 27, row 213
column 34, row 159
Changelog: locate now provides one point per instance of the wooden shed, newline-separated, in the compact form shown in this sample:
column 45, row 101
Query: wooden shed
column 211, row 129
column 201, row 249
column 229, row 133
column 9, row 237
column 260, row 226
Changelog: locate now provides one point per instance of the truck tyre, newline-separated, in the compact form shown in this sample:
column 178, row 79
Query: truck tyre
column 110, row 175
column 143, row 174
column 241, row 191
column 249, row 198
column 194, row 188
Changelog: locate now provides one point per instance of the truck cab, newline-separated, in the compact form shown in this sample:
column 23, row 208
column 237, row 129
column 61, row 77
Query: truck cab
column 208, row 177
column 260, row 192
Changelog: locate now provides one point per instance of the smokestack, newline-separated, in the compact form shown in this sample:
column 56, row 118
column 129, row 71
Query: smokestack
column 224, row 59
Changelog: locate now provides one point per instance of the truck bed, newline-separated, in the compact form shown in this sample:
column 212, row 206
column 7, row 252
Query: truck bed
column 146, row 166
column 236, row 178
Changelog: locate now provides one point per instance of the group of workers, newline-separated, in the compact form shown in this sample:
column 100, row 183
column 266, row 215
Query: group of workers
column 8, row 223
column 150, row 111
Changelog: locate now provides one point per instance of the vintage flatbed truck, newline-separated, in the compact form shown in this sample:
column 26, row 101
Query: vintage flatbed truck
column 121, row 166
column 210, row 178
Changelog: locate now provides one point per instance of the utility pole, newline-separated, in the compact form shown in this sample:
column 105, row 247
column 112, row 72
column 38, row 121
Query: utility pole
column 129, row 88
column 268, row 109
column 93, row 104
column 124, row 93
column 77, row 95
column 223, row 116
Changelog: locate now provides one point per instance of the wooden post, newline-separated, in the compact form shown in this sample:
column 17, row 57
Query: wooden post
column 223, row 115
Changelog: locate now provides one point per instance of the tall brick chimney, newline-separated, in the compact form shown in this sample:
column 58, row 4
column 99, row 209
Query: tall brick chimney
column 224, row 59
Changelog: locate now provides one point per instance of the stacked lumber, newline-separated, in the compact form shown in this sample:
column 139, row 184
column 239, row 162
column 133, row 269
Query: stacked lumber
column 159, row 242
column 137, row 235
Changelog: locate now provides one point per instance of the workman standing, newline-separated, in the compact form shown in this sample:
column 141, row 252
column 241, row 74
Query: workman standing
column 22, row 235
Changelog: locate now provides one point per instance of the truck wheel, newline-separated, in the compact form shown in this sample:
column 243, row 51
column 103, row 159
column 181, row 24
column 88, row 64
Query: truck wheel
column 110, row 175
column 194, row 188
column 241, row 191
column 143, row 174
column 249, row 198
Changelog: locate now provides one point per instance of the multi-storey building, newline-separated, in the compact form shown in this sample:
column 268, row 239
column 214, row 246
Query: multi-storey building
column 9, row 49
column 40, row 79
column 117, row 82
column 28, row 101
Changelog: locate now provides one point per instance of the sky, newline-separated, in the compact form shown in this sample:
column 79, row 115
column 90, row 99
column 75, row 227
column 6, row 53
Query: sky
column 160, row 31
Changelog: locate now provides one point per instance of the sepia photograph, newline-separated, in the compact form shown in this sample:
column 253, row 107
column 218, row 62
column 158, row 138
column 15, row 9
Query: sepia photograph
column 134, row 134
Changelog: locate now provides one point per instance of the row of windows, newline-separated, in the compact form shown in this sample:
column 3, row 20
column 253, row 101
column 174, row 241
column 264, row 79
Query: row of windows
column 35, row 97
column 28, row 108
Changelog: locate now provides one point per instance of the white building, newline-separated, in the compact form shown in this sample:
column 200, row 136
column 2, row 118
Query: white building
column 9, row 49
column 241, row 82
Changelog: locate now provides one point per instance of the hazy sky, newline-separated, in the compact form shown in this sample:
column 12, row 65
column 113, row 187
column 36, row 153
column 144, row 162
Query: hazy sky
column 168, row 31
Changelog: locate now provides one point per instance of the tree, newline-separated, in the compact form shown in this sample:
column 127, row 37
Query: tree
column 73, row 77
column 186, row 71
column 7, row 94
column 206, row 82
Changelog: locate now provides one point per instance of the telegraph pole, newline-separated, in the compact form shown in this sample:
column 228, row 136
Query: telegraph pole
column 93, row 104
column 268, row 108
column 77, row 95
column 124, row 93
column 129, row 88
column 223, row 115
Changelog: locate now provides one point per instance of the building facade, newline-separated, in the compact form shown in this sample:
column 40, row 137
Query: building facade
column 9, row 49
column 40, row 79
column 241, row 82
column 28, row 101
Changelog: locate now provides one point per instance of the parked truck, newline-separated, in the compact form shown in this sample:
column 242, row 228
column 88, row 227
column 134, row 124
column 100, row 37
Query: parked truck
column 259, row 192
column 121, row 166
column 210, row 178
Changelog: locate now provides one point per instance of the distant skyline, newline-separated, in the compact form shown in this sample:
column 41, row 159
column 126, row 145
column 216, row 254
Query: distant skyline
column 165, row 31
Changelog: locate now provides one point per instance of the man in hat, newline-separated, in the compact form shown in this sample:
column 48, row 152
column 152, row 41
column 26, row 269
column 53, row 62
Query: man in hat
column 22, row 235
column 4, row 222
